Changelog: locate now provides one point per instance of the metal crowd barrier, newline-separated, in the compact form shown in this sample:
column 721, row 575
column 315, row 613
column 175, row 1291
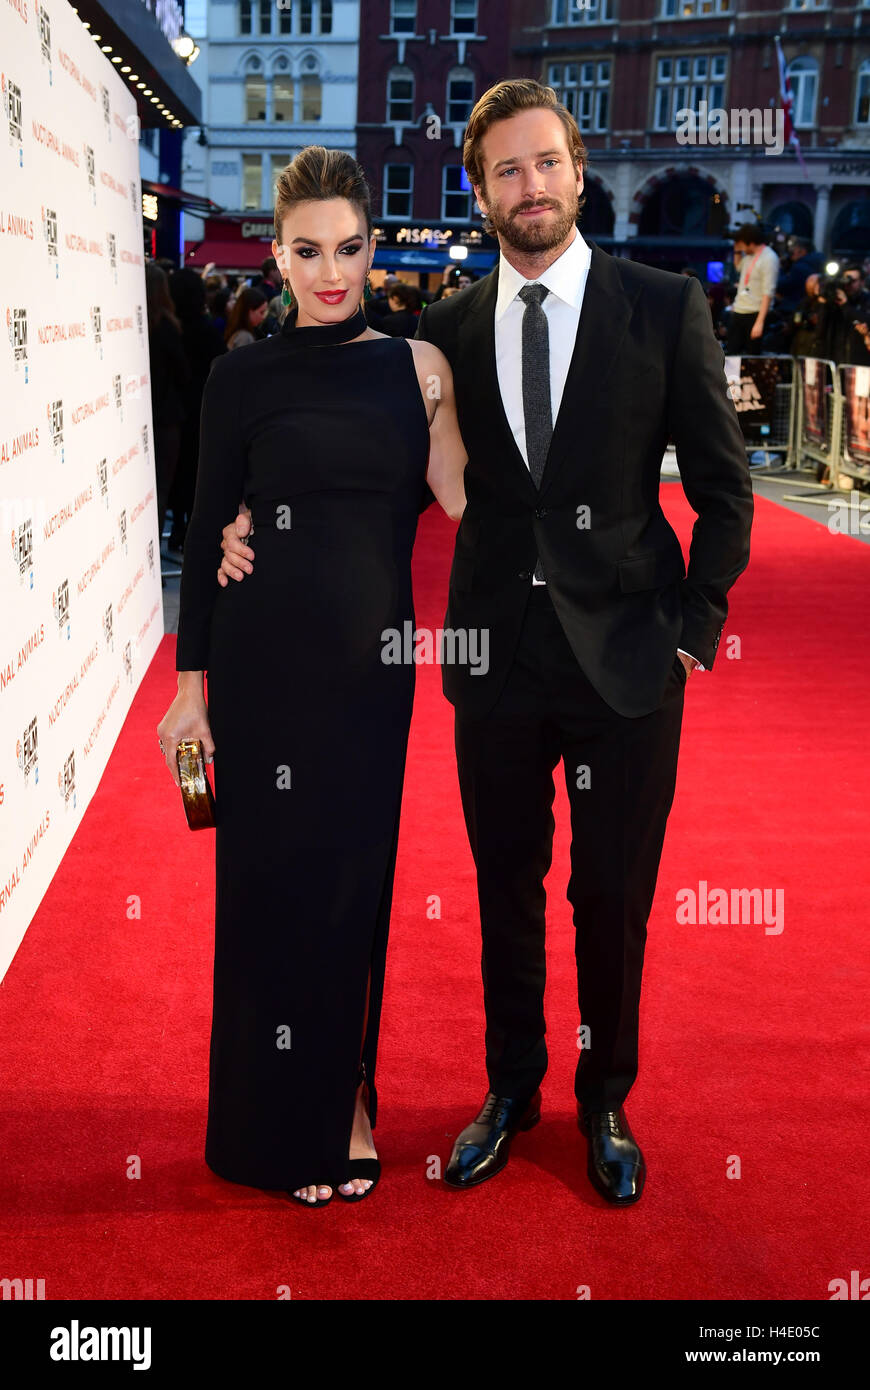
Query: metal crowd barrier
column 855, row 452
column 811, row 412
column 765, row 389
column 819, row 407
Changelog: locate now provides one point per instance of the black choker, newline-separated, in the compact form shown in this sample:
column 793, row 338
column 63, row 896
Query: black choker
column 323, row 333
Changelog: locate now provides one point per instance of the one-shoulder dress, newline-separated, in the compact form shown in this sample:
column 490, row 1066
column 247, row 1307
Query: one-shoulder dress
column 329, row 446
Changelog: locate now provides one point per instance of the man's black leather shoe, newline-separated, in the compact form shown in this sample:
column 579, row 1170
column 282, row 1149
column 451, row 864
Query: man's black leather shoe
column 483, row 1147
column 615, row 1163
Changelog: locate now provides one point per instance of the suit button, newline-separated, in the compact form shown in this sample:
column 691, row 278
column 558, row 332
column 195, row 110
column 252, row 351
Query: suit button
column 525, row 574
column 541, row 512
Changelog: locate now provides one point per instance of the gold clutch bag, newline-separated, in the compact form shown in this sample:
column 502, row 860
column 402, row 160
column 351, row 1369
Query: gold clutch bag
column 196, row 792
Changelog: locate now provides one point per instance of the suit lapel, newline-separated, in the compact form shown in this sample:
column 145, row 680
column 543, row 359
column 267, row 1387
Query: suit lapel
column 476, row 379
column 604, row 318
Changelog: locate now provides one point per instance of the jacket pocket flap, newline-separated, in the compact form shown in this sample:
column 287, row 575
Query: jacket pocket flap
column 654, row 570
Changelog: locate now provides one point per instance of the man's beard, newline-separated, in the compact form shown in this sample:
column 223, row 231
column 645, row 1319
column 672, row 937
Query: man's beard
column 535, row 233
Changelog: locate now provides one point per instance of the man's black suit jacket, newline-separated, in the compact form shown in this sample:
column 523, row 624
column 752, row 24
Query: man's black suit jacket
column 646, row 366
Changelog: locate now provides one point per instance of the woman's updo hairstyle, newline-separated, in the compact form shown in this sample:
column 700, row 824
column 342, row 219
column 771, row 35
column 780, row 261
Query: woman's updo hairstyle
column 317, row 173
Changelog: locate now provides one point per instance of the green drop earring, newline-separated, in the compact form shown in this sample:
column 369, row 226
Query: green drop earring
column 367, row 292
column 287, row 295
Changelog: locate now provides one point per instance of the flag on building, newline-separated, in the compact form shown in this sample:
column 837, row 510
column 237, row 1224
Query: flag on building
column 787, row 99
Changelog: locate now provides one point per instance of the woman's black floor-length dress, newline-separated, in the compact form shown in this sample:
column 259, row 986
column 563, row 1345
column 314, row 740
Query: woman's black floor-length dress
column 329, row 445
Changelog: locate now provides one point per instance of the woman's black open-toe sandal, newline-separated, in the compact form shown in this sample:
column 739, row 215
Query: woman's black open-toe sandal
column 361, row 1168
column 366, row 1169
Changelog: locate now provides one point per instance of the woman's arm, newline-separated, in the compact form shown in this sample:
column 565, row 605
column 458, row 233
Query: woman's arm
column 220, row 482
column 447, row 456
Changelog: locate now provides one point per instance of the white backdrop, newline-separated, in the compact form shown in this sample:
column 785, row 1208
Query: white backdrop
column 80, row 593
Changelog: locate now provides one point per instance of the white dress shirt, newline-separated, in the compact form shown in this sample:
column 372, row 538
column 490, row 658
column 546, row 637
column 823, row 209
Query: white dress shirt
column 566, row 281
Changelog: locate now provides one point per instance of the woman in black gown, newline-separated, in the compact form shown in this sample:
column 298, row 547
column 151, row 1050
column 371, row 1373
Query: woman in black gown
column 330, row 431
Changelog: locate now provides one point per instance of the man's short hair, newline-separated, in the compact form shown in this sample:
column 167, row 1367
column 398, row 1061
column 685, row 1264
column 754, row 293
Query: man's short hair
column 751, row 233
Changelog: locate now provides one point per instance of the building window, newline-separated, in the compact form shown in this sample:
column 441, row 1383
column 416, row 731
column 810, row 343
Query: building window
column 326, row 16
column 403, row 17
column 306, row 17
column 255, row 98
column 810, row 4
column 803, row 77
column 312, row 99
column 463, row 17
column 584, row 88
column 683, row 83
column 400, row 95
column 252, row 181
column 460, row 95
column 265, row 16
column 285, row 18
column 575, row 12
column 398, row 190
column 862, row 95
column 455, row 198
column 246, row 20
column 279, row 164
column 282, row 99
column 693, row 9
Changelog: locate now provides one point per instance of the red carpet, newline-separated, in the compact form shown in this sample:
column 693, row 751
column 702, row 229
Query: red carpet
column 753, row 1045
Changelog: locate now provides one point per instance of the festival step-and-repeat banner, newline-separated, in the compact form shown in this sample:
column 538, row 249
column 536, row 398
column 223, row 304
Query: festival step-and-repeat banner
column 80, row 592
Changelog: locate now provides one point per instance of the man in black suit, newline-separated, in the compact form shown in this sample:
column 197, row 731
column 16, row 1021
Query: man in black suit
column 571, row 370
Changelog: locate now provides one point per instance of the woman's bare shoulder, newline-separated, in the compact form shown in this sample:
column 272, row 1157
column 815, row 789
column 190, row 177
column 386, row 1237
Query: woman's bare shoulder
column 430, row 357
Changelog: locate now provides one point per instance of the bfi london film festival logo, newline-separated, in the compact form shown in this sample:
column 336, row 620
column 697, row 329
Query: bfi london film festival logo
column 66, row 781
column 133, row 199
column 122, row 528
column 43, row 29
column 737, row 126
column 140, row 322
column 90, row 165
column 97, row 328
column 54, row 411
column 112, row 248
column 108, row 629
column 27, row 753
column 60, row 605
column 107, row 110
column 118, row 393
column 127, row 660
column 149, row 555
column 103, row 480
column 12, row 115
column 22, row 551
column 16, row 328
column 48, row 218
column 145, row 441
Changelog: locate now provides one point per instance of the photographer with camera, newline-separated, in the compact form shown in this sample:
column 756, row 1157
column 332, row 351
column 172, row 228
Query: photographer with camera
column 845, row 317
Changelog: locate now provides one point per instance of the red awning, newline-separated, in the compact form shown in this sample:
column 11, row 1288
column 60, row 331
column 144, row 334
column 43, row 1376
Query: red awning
column 227, row 255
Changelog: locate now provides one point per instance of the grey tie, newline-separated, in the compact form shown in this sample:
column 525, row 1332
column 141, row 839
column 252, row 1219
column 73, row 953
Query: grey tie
column 536, row 384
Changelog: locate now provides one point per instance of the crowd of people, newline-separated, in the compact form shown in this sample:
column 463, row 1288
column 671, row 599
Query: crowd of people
column 787, row 302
